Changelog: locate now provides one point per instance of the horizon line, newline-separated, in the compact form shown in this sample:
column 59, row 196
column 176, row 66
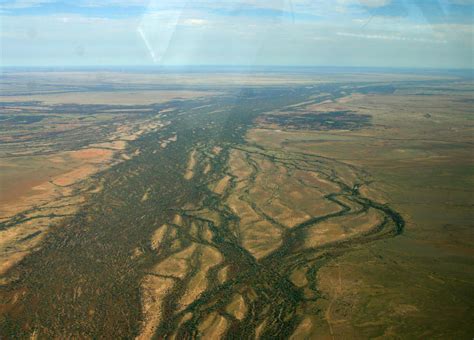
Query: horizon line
column 239, row 66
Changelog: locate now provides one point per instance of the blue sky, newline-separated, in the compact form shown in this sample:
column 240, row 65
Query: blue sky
column 379, row 33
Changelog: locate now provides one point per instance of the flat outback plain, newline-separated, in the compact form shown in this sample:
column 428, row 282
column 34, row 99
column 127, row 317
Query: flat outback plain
column 272, row 204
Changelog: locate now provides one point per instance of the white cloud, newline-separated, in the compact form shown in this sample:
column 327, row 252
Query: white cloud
column 108, row 3
column 374, row 3
column 394, row 37
column 366, row 3
column 195, row 22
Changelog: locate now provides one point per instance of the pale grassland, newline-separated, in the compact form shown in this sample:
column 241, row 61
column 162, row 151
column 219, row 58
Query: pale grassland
column 111, row 98
column 190, row 167
column 419, row 154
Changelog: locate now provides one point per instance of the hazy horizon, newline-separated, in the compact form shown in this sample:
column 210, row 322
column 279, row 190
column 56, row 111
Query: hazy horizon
column 229, row 68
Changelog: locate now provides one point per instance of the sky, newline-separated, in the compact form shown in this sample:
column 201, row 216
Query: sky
column 360, row 33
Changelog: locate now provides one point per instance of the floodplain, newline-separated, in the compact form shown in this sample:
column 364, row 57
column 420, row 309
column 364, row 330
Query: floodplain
column 279, row 205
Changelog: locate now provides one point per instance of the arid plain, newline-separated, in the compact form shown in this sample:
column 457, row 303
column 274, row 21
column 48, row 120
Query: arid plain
column 279, row 204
